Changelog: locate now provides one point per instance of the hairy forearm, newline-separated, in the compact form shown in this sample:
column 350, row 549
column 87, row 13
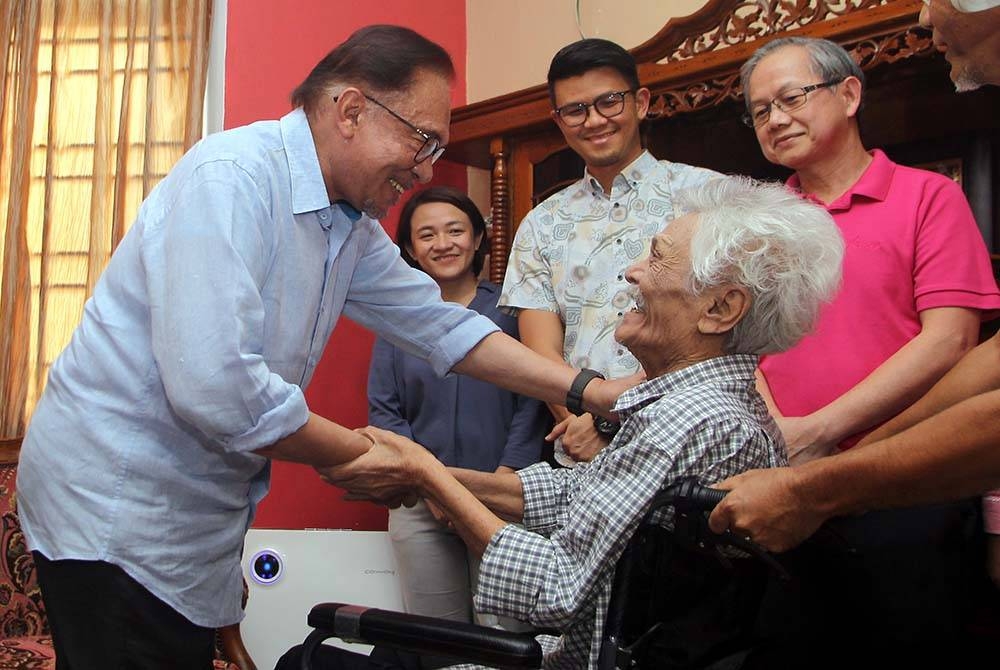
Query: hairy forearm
column 319, row 443
column 504, row 361
column 977, row 372
column 953, row 454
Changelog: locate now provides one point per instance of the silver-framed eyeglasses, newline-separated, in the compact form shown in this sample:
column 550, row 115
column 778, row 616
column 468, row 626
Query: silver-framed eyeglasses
column 790, row 100
column 607, row 105
column 431, row 148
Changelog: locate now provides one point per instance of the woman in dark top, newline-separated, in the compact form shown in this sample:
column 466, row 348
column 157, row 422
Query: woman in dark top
column 465, row 422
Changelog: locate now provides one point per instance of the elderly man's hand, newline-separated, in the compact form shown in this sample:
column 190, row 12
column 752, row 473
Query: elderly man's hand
column 581, row 441
column 805, row 439
column 765, row 505
column 389, row 473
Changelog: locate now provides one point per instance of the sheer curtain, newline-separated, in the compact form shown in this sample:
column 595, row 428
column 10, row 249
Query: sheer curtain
column 98, row 99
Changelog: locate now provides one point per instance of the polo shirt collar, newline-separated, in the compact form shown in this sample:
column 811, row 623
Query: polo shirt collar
column 873, row 184
column 307, row 186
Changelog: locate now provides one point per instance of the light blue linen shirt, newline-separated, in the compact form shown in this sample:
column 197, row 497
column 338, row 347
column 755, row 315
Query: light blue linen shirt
column 193, row 352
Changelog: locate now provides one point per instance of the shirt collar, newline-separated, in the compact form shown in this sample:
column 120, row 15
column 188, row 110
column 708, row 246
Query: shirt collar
column 307, row 185
column 730, row 366
column 630, row 176
column 873, row 184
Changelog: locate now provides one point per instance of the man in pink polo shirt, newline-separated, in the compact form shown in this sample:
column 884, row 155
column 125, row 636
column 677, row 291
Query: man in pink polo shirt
column 917, row 276
column 944, row 446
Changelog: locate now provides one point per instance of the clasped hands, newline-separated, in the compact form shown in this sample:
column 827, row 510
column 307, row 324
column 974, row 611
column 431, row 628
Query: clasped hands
column 389, row 473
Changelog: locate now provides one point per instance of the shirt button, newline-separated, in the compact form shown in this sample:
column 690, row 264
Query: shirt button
column 621, row 277
column 618, row 241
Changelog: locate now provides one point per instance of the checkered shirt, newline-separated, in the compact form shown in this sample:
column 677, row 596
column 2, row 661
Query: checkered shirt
column 556, row 571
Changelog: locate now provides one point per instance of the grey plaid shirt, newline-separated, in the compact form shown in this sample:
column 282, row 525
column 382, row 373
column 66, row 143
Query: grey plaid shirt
column 706, row 420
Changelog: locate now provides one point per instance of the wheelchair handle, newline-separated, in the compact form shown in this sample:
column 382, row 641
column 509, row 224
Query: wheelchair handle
column 690, row 496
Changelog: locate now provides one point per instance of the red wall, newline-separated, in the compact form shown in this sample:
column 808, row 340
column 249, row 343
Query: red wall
column 270, row 48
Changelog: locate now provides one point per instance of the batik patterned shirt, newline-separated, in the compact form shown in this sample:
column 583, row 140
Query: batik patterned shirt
column 570, row 254
column 706, row 421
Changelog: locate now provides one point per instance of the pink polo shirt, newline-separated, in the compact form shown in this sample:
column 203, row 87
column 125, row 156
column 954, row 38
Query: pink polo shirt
column 912, row 244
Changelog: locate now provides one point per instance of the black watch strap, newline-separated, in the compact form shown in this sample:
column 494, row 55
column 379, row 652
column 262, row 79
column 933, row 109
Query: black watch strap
column 606, row 427
column 574, row 399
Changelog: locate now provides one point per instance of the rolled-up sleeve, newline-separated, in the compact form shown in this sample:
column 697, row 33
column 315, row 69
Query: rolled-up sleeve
column 205, row 257
column 404, row 306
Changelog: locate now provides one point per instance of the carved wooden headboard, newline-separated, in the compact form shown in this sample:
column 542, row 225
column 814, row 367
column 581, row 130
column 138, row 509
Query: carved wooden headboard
column 691, row 67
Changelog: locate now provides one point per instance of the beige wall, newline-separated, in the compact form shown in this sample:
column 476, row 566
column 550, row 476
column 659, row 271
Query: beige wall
column 510, row 42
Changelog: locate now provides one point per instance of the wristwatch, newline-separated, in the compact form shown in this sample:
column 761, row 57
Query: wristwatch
column 574, row 399
column 606, row 427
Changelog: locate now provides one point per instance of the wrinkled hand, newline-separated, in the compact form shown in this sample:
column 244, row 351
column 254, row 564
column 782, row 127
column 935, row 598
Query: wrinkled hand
column 387, row 474
column 581, row 441
column 559, row 429
column 993, row 558
column 804, row 439
column 765, row 506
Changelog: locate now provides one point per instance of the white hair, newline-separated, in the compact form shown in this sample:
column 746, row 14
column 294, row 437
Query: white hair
column 785, row 250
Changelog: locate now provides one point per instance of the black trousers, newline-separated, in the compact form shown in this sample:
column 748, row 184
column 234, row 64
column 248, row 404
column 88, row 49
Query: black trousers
column 102, row 619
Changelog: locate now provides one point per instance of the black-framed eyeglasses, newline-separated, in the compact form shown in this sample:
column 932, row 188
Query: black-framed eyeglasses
column 607, row 105
column 790, row 100
column 431, row 148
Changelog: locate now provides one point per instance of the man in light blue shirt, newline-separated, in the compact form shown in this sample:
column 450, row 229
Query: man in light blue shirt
column 148, row 451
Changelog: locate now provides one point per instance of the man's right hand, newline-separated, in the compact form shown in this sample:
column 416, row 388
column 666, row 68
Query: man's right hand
column 581, row 441
column 765, row 506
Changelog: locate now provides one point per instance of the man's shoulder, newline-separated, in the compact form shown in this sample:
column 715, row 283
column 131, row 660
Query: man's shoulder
column 578, row 189
column 249, row 147
column 689, row 175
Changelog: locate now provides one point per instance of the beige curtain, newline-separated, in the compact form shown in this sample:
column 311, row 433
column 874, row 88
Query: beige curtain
column 98, row 99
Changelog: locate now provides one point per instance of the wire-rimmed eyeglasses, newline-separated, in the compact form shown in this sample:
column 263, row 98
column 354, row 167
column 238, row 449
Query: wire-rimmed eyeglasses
column 431, row 148
column 607, row 105
column 790, row 100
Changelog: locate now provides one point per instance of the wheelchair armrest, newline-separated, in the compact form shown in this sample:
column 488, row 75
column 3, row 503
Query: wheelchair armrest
column 426, row 635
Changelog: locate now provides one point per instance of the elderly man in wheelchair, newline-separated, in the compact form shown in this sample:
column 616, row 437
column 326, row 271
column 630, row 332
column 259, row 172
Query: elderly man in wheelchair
column 744, row 272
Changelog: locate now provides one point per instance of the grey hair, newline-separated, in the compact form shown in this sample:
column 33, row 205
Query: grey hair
column 784, row 249
column 827, row 59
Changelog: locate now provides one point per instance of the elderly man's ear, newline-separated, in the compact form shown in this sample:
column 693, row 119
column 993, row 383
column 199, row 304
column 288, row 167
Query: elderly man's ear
column 726, row 305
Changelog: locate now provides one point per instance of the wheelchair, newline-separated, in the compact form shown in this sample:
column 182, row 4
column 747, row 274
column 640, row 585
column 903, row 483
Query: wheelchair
column 689, row 599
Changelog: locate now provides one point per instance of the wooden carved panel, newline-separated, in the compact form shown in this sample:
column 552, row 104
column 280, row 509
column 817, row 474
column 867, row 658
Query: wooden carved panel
column 868, row 53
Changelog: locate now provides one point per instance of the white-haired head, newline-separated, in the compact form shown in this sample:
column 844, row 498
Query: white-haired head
column 784, row 249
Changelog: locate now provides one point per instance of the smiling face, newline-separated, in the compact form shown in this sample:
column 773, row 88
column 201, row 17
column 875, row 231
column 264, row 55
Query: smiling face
column 605, row 145
column 366, row 154
column 442, row 241
column 815, row 131
column 970, row 42
column 662, row 330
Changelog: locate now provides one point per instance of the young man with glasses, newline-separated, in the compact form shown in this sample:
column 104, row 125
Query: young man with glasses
column 917, row 277
column 566, row 274
column 148, row 451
